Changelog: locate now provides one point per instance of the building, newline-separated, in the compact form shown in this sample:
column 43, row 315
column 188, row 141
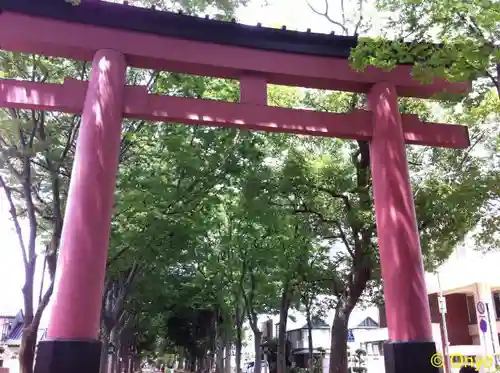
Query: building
column 320, row 333
column 6, row 322
column 11, row 329
column 299, row 339
column 470, row 284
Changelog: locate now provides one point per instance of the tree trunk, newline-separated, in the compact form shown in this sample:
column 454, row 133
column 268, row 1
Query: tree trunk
column 238, row 347
column 103, row 365
column 137, row 363
column 219, row 355
column 309, row 337
column 284, row 307
column 227, row 359
column 181, row 359
column 130, row 364
column 114, row 339
column 27, row 349
column 28, row 340
column 239, row 338
column 192, row 364
column 338, row 347
column 257, row 350
column 208, row 362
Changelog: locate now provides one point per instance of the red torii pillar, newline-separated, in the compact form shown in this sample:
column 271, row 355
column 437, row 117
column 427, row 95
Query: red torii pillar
column 406, row 302
column 72, row 343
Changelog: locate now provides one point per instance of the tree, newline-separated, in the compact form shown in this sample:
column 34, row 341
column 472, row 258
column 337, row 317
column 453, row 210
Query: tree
column 469, row 36
column 314, row 283
column 359, row 361
column 36, row 155
column 468, row 30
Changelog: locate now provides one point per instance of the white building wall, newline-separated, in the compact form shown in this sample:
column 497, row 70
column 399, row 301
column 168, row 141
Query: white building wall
column 372, row 341
column 464, row 267
column 321, row 339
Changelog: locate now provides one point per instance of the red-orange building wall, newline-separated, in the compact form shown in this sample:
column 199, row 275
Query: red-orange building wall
column 457, row 318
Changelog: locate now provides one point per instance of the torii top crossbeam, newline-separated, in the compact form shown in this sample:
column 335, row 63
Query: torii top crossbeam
column 186, row 44
column 192, row 45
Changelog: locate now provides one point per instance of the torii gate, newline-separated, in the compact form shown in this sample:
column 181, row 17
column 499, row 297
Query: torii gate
column 115, row 36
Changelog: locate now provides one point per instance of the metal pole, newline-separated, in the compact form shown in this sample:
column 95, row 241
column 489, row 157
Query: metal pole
column 491, row 333
column 446, row 346
column 478, row 317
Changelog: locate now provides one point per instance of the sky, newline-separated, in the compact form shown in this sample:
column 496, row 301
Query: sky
column 295, row 14
column 11, row 264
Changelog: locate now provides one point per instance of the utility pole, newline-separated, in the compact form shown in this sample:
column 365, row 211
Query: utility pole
column 442, row 310
column 491, row 334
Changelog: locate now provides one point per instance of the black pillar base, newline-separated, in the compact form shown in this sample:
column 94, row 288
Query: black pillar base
column 67, row 356
column 411, row 357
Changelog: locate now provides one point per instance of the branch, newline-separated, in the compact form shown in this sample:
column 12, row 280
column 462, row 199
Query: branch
column 43, row 304
column 129, row 276
column 342, row 234
column 332, row 194
column 105, row 317
column 25, row 179
column 342, row 9
column 327, row 16
column 51, row 259
column 358, row 24
column 124, row 142
column 75, row 126
column 46, row 168
column 246, row 300
column 35, row 126
column 249, row 301
column 116, row 257
column 344, row 239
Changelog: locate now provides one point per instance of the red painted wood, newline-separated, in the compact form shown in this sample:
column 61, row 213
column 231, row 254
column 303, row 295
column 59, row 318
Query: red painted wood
column 401, row 264
column 68, row 97
column 77, row 41
column 81, row 264
column 253, row 90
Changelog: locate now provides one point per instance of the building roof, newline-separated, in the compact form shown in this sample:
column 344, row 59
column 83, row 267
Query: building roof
column 9, row 314
column 367, row 323
column 317, row 323
column 15, row 331
column 178, row 25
